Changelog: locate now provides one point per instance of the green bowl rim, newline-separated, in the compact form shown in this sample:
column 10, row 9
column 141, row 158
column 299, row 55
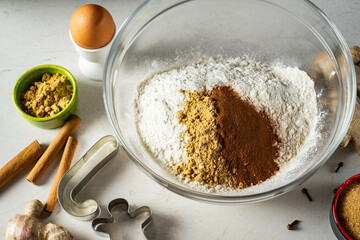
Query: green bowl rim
column 45, row 66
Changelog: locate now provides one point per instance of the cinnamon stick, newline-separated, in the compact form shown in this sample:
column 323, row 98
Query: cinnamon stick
column 21, row 161
column 54, row 148
column 65, row 163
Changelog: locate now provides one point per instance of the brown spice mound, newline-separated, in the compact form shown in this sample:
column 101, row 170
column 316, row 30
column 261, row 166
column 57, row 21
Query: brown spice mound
column 248, row 139
column 205, row 163
column 47, row 97
column 349, row 210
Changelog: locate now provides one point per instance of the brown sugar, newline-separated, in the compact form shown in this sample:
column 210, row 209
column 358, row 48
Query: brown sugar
column 349, row 210
column 249, row 143
column 47, row 97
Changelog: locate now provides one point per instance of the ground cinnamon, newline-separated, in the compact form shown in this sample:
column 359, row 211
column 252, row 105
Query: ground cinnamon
column 247, row 137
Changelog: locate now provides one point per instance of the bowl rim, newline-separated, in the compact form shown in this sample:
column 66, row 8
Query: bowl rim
column 229, row 199
column 69, row 76
column 334, row 206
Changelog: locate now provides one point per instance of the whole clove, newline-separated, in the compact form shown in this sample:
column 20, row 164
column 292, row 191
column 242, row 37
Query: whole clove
column 305, row 191
column 292, row 225
column 339, row 166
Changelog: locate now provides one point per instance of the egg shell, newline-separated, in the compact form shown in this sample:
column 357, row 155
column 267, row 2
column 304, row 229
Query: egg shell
column 92, row 26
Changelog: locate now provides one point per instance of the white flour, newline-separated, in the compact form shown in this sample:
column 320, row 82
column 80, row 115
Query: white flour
column 287, row 95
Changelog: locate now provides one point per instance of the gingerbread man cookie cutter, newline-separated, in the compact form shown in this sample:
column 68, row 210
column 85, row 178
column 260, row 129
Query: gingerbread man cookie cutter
column 97, row 222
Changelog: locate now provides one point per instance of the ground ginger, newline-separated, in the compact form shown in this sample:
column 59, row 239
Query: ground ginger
column 47, row 97
column 204, row 161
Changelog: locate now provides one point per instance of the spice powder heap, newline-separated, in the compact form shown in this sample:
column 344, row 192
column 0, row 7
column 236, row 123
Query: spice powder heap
column 282, row 102
column 228, row 141
column 249, row 141
column 205, row 163
column 349, row 210
column 47, row 97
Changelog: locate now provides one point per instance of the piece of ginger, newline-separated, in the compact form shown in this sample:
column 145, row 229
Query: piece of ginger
column 355, row 54
column 323, row 67
column 28, row 227
column 352, row 136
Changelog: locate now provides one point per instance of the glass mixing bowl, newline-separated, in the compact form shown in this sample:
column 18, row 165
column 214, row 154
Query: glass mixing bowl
column 160, row 35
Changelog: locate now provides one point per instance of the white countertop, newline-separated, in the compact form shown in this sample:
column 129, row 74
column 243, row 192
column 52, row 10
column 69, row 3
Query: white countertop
column 35, row 33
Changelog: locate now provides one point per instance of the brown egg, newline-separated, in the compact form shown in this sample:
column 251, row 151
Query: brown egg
column 92, row 26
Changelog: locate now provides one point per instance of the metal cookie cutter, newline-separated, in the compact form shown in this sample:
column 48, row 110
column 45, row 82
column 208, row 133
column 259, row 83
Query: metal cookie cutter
column 80, row 174
column 96, row 223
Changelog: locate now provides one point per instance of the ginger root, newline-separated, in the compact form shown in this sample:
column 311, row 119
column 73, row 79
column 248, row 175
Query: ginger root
column 27, row 226
column 355, row 54
column 352, row 136
column 323, row 67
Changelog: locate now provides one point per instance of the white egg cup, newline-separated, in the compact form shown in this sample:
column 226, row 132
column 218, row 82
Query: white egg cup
column 91, row 61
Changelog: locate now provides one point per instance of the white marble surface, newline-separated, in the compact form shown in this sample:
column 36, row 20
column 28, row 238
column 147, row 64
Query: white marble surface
column 36, row 32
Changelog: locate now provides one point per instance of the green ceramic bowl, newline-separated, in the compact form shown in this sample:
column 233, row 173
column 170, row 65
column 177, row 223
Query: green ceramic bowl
column 35, row 74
